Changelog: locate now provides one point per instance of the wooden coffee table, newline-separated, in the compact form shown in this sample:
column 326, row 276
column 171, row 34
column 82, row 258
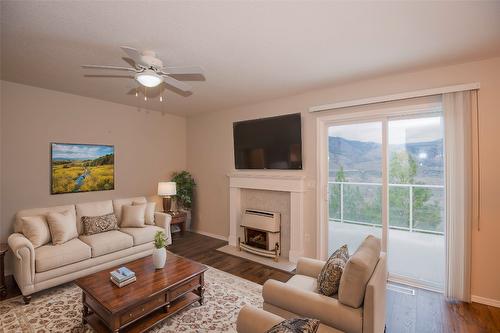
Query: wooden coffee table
column 155, row 296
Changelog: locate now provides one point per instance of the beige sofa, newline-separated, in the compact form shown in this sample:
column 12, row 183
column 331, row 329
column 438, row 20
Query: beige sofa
column 363, row 289
column 49, row 265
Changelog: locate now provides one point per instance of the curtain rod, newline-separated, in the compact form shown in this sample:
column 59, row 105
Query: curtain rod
column 396, row 97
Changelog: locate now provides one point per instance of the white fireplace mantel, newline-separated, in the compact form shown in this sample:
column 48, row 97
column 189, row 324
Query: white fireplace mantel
column 294, row 184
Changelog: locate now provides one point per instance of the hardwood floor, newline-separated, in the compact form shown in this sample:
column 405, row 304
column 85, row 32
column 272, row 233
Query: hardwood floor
column 204, row 249
column 424, row 312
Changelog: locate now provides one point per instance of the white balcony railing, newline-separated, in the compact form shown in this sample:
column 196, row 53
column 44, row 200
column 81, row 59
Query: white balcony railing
column 410, row 228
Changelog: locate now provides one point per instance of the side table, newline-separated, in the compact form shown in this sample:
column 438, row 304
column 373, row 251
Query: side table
column 3, row 287
column 180, row 219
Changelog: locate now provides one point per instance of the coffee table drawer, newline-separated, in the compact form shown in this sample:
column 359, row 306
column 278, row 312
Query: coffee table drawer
column 183, row 288
column 142, row 309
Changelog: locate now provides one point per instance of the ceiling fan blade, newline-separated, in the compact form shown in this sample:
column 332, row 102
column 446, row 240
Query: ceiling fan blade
column 177, row 84
column 183, row 70
column 108, row 67
column 134, row 54
column 110, row 76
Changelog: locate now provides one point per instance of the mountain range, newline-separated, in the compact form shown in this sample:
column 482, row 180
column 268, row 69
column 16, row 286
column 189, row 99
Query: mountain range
column 362, row 161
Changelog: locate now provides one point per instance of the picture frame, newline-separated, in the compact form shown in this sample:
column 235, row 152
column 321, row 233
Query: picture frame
column 79, row 167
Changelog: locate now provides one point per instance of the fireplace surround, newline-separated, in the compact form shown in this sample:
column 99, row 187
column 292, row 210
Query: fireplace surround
column 293, row 184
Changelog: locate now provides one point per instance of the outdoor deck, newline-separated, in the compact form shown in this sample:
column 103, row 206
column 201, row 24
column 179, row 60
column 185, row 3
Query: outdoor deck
column 419, row 256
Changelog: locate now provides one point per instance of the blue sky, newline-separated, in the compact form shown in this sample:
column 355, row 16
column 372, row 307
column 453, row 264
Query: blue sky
column 87, row 152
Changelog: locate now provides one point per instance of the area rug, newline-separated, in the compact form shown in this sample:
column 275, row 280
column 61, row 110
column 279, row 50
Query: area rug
column 60, row 309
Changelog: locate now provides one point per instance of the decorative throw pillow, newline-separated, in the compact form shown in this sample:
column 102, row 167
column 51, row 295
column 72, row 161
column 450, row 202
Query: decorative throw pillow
column 35, row 228
column 96, row 224
column 62, row 226
column 296, row 325
column 149, row 216
column 329, row 278
column 133, row 216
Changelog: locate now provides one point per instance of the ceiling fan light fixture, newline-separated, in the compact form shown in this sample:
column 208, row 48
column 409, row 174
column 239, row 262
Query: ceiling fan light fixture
column 149, row 78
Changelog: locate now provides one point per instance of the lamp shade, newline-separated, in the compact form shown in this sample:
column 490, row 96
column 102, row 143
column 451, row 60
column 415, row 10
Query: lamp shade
column 166, row 188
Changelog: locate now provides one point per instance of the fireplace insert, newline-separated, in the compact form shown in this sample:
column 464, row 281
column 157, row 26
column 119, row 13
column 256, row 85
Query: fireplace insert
column 256, row 238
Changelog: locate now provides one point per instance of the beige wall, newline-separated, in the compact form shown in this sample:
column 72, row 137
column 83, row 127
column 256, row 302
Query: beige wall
column 210, row 155
column 149, row 146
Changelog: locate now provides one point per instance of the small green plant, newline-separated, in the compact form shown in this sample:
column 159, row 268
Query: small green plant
column 160, row 240
column 185, row 185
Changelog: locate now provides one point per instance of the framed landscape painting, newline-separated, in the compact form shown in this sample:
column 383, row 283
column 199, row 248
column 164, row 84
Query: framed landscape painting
column 81, row 168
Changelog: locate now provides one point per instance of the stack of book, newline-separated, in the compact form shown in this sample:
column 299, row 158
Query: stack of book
column 122, row 276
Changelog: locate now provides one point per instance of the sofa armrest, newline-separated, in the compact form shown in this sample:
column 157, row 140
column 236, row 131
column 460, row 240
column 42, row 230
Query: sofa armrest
column 24, row 255
column 312, row 305
column 309, row 267
column 163, row 220
column 253, row 320
column 374, row 306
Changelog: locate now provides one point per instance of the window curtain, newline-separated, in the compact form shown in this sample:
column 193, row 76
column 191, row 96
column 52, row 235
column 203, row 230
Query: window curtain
column 460, row 124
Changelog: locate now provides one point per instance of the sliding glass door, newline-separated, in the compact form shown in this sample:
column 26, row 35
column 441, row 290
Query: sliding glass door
column 386, row 178
column 355, row 178
column 416, row 200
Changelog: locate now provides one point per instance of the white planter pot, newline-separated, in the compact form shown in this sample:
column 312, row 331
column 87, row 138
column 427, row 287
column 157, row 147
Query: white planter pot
column 159, row 257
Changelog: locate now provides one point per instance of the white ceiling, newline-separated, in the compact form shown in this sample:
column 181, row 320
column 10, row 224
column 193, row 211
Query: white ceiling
column 251, row 51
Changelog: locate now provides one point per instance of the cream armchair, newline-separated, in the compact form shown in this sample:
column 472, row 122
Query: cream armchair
column 359, row 306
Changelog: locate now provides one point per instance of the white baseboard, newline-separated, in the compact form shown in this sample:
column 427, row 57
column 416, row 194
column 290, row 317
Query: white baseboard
column 485, row 301
column 209, row 234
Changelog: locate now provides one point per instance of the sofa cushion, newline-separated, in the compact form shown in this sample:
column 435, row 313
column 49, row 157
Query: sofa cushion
column 119, row 203
column 36, row 229
column 133, row 216
column 50, row 256
column 96, row 224
column 149, row 215
column 107, row 242
column 142, row 235
column 357, row 272
column 62, row 226
column 97, row 208
column 18, row 226
column 304, row 282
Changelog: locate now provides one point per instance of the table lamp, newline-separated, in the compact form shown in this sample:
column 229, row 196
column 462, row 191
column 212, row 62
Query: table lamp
column 166, row 190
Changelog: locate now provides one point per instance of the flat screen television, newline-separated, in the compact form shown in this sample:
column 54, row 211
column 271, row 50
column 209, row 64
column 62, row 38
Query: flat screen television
column 268, row 143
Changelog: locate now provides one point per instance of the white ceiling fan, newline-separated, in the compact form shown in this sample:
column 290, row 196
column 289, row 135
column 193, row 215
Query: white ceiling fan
column 149, row 70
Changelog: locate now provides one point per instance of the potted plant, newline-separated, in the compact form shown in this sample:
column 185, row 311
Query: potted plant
column 185, row 185
column 159, row 252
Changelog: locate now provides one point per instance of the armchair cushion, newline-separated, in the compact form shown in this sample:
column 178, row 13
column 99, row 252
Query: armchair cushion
column 296, row 325
column 309, row 267
column 253, row 320
column 329, row 278
column 357, row 272
column 303, row 282
column 305, row 303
